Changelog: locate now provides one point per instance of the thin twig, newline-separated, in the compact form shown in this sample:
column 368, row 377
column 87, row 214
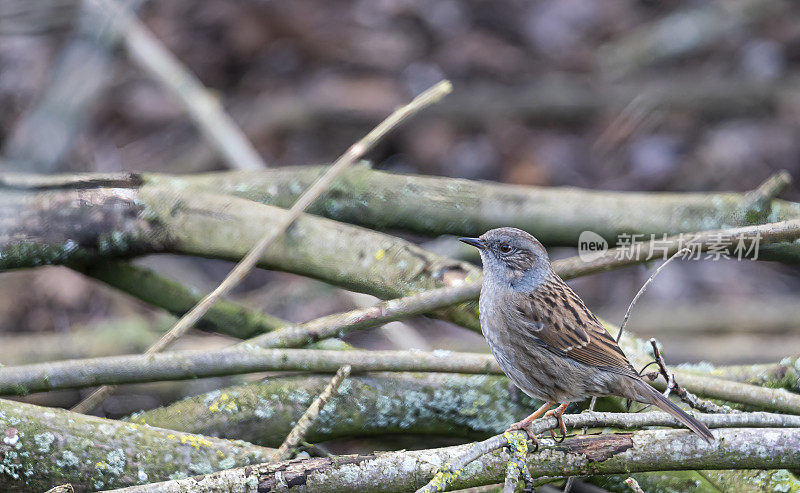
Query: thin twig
column 686, row 396
column 634, row 485
column 641, row 291
column 249, row 261
column 203, row 107
column 310, row 416
column 377, row 314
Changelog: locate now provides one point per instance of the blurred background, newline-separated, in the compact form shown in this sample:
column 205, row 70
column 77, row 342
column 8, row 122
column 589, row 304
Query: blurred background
column 600, row 94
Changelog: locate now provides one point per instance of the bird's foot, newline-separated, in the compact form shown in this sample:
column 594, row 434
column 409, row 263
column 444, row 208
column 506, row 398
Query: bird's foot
column 525, row 425
column 558, row 413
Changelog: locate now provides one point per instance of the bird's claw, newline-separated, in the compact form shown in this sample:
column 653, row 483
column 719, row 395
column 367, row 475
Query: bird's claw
column 526, row 427
column 558, row 413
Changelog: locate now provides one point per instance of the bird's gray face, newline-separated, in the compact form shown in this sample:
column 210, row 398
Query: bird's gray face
column 511, row 257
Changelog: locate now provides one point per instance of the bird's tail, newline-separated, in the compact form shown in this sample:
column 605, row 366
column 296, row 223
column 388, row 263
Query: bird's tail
column 657, row 398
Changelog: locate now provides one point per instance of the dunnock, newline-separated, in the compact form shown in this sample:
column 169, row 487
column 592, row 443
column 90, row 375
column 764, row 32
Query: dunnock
column 545, row 339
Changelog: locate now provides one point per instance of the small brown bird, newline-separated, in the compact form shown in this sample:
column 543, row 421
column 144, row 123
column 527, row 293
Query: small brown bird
column 546, row 340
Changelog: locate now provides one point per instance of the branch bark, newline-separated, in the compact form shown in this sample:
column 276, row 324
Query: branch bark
column 42, row 447
column 555, row 215
column 454, row 405
column 586, row 455
column 177, row 365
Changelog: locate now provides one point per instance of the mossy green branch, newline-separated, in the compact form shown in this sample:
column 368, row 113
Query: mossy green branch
column 225, row 317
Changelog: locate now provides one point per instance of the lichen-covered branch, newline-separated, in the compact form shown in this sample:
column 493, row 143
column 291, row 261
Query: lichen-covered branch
column 468, row 406
column 555, row 215
column 451, row 470
column 44, row 447
column 584, row 455
column 456, row 405
column 592, row 419
column 77, row 225
column 310, row 416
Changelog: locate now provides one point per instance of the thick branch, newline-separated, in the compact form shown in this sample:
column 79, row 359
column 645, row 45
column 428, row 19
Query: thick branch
column 43, row 447
column 586, row 455
column 75, row 226
column 455, row 405
column 555, row 215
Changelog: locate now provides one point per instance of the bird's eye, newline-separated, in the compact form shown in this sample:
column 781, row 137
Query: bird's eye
column 505, row 247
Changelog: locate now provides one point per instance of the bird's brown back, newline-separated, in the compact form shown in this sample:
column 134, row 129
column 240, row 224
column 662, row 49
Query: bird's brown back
column 555, row 317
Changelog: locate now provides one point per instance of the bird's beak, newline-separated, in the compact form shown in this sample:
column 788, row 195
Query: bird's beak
column 476, row 242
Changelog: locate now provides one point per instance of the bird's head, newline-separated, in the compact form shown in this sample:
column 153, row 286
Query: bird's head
column 510, row 255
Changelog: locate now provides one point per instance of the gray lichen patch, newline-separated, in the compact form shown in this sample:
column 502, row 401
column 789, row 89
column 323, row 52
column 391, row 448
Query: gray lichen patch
column 44, row 441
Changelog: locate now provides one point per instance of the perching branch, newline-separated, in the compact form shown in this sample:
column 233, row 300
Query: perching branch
column 590, row 455
column 594, row 420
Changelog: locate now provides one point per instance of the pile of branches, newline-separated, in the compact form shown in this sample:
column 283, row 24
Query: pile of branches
column 95, row 224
